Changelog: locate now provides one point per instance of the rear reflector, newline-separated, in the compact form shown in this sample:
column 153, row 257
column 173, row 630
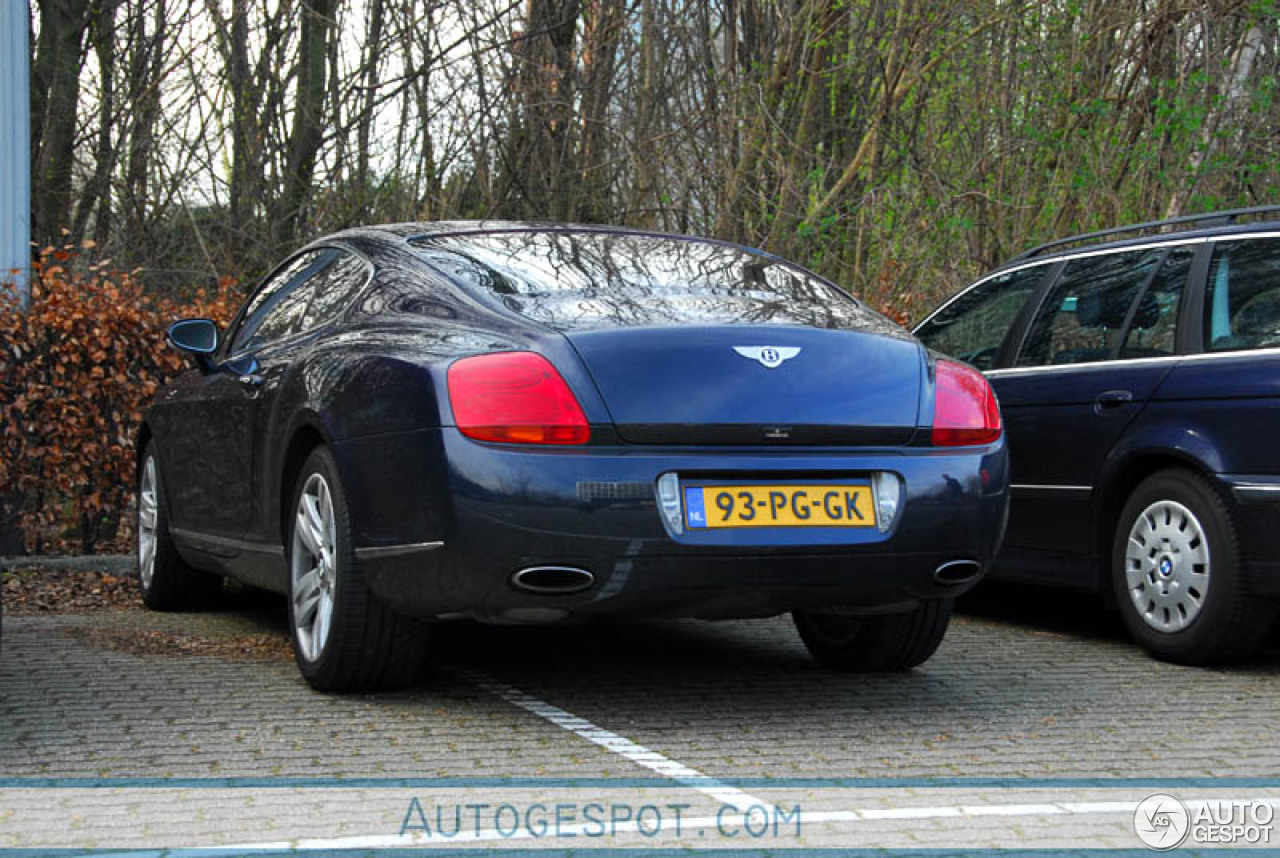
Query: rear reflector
column 888, row 489
column 515, row 398
column 964, row 407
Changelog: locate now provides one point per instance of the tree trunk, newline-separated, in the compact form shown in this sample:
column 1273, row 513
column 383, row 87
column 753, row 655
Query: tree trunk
column 307, row 133
column 604, row 20
column 55, row 97
column 146, row 69
column 1228, row 109
column 243, row 188
column 97, row 191
column 369, row 83
column 538, row 150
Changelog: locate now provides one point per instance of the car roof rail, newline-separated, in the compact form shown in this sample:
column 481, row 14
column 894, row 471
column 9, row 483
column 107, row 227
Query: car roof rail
column 1204, row 220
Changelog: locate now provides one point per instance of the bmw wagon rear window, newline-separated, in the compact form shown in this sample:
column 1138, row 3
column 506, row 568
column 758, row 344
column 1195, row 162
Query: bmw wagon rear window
column 581, row 280
column 1242, row 307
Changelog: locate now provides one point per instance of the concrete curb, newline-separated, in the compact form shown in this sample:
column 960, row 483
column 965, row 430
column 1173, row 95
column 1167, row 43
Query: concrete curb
column 115, row 563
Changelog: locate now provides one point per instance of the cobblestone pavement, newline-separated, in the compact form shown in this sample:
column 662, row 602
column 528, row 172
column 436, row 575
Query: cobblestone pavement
column 1041, row 698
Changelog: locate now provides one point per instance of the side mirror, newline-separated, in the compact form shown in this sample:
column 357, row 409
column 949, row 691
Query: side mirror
column 197, row 337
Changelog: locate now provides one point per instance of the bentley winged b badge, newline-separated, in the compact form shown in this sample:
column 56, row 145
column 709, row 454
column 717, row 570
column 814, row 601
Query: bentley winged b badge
column 770, row 357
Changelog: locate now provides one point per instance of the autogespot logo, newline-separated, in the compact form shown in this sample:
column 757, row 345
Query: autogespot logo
column 1161, row 821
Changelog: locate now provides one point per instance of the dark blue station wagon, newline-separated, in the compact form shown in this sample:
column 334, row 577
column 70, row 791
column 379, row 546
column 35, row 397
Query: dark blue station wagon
column 1138, row 371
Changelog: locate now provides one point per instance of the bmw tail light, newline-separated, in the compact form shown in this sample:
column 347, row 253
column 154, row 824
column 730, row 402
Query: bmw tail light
column 515, row 398
column 964, row 407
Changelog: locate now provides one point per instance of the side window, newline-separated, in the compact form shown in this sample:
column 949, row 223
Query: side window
column 1242, row 306
column 334, row 289
column 1154, row 330
column 277, row 307
column 973, row 326
column 1082, row 317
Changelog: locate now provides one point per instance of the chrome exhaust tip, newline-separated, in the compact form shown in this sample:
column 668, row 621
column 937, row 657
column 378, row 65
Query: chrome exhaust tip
column 958, row 572
column 552, row 580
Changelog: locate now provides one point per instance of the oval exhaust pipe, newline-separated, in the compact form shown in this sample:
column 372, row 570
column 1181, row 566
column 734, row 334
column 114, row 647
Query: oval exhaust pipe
column 552, row 580
column 957, row 572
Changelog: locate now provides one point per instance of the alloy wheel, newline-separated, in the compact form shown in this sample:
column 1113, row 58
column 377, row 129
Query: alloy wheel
column 148, row 508
column 313, row 571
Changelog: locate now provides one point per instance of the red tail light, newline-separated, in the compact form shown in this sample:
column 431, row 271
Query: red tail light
column 964, row 407
column 515, row 398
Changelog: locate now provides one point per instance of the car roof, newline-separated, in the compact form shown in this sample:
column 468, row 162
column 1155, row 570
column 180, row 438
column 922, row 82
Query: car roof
column 1184, row 228
column 413, row 231
column 439, row 229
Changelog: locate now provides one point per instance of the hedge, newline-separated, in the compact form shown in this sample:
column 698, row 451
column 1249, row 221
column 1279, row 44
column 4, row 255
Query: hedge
column 77, row 369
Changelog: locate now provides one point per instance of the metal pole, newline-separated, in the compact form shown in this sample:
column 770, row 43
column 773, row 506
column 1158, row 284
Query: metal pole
column 15, row 149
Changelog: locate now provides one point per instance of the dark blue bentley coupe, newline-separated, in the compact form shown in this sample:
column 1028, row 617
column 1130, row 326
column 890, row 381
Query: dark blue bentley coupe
column 529, row 424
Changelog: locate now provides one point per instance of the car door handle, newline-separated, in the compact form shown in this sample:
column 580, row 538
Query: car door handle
column 1112, row 399
column 251, row 381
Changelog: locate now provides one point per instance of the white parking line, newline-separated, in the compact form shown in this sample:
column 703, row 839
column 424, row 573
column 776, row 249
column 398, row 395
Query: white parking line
column 619, row 745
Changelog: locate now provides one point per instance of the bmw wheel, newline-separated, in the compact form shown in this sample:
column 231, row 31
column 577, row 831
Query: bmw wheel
column 882, row 642
column 168, row 582
column 344, row 639
column 1178, row 577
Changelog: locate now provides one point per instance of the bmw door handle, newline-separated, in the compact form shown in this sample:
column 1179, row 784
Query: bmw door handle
column 1110, row 400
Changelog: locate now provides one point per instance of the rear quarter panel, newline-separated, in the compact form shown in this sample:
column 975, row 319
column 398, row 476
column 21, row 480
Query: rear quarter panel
column 1218, row 415
column 374, row 388
column 1224, row 410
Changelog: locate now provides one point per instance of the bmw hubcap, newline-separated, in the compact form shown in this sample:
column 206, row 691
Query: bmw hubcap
column 147, row 507
column 312, row 567
column 1167, row 566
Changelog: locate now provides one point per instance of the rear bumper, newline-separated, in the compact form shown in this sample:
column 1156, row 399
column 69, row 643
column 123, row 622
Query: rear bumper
column 1258, row 501
column 498, row 510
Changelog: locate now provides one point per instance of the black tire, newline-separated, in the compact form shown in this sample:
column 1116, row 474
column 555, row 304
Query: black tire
column 879, row 643
column 368, row 647
column 174, row 584
column 1231, row 623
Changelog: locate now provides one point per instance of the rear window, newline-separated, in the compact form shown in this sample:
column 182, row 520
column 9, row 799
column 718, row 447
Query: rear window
column 1242, row 308
column 579, row 280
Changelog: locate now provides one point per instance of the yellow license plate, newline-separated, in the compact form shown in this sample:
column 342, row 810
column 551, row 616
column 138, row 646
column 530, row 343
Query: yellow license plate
column 778, row 506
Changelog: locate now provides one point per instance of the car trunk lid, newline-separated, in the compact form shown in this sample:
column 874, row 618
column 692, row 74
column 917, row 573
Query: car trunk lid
column 744, row 384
